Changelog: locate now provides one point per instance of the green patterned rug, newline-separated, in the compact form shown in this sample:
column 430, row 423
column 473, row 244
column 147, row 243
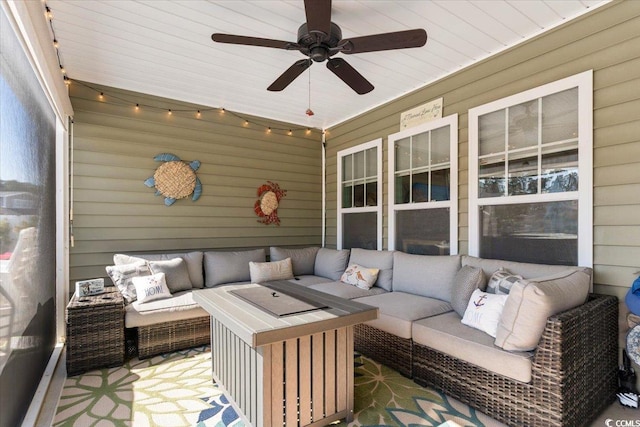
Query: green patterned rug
column 176, row 390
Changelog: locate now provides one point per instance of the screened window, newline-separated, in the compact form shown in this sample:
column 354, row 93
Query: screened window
column 423, row 188
column 360, row 197
column 530, row 175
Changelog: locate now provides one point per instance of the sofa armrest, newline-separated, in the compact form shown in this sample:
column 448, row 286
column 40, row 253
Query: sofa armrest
column 578, row 353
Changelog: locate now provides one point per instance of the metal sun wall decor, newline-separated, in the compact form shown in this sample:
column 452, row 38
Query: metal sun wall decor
column 175, row 179
column 266, row 207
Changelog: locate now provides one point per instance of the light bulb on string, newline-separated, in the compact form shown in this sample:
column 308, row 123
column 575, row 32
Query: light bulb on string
column 55, row 43
column 137, row 107
column 198, row 114
column 170, row 112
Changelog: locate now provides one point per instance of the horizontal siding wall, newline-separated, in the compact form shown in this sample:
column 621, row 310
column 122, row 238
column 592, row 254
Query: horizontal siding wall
column 608, row 41
column 113, row 150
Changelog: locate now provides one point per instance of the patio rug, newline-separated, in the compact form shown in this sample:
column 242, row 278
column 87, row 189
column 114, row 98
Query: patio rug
column 176, row 390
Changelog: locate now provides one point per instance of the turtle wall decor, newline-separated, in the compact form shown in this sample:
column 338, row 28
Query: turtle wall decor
column 266, row 207
column 175, row 179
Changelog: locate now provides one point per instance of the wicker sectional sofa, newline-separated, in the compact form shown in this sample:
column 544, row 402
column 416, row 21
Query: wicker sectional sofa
column 566, row 378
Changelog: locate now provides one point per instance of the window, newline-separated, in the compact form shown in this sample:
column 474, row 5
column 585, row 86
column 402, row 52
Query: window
column 360, row 196
column 423, row 188
column 530, row 173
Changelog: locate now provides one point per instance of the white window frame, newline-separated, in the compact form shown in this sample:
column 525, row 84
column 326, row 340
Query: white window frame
column 377, row 144
column 584, row 82
column 452, row 203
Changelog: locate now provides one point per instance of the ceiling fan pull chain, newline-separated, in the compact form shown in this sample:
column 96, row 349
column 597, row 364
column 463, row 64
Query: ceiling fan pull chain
column 309, row 111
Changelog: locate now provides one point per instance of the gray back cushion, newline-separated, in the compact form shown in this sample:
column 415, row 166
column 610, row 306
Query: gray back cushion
column 382, row 260
column 524, row 269
column 193, row 260
column 303, row 260
column 331, row 263
column 467, row 280
column 425, row 275
column 175, row 272
column 226, row 267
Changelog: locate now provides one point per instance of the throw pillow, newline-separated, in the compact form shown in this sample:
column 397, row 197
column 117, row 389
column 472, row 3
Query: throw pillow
column 359, row 276
column 266, row 271
column 193, row 260
column 483, row 311
column 121, row 276
column 501, row 282
column 150, row 288
column 466, row 280
column 302, row 260
column 175, row 272
column 382, row 260
column 531, row 302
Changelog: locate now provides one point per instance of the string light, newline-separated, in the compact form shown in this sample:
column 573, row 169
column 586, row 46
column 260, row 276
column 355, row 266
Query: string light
column 113, row 98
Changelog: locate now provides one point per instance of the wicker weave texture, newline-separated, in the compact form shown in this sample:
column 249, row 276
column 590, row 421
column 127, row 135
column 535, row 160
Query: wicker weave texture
column 176, row 335
column 574, row 372
column 383, row 347
column 95, row 332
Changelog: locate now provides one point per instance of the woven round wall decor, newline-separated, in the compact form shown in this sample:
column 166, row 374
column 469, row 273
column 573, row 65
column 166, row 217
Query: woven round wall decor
column 266, row 207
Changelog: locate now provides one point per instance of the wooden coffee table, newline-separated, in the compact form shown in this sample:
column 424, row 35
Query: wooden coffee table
column 293, row 370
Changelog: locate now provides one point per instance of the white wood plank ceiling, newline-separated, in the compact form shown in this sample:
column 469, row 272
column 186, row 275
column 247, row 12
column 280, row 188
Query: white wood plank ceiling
column 164, row 48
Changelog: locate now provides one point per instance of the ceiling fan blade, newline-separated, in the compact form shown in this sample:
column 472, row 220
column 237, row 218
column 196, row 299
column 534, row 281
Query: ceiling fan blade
column 385, row 41
column 290, row 75
column 253, row 41
column 318, row 16
column 349, row 75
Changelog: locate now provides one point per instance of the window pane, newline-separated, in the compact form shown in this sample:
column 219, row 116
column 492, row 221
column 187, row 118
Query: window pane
column 560, row 116
column 403, row 154
column 359, row 230
column 403, row 183
column 523, row 125
column 420, row 147
column 420, row 188
column 358, row 165
column 523, row 173
column 347, row 196
column 358, row 195
column 440, row 181
column 372, row 162
column 423, row 231
column 440, row 145
column 560, row 169
column 491, row 133
column 347, row 167
column 545, row 233
column 491, row 179
column 372, row 193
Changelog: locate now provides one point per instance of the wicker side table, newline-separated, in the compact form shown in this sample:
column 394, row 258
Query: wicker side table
column 95, row 331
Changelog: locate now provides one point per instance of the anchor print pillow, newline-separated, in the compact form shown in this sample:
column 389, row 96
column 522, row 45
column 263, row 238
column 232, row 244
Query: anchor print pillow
column 150, row 288
column 483, row 311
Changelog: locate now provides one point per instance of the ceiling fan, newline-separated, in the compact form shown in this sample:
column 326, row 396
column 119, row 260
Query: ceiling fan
column 320, row 39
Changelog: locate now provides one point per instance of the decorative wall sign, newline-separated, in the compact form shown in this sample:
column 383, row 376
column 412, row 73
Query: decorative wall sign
column 266, row 206
column 175, row 179
column 421, row 114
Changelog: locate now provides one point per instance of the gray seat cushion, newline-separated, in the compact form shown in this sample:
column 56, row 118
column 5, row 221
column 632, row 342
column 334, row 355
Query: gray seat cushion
column 308, row 280
column 180, row 306
column 346, row 291
column 425, row 275
column 382, row 260
column 398, row 310
column 448, row 335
